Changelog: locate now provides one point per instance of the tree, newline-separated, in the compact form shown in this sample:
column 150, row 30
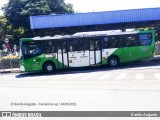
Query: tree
column 59, row 6
column 3, row 24
column 17, row 13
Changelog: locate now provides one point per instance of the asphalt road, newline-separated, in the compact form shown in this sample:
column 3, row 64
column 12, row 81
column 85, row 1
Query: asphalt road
column 133, row 87
column 99, row 77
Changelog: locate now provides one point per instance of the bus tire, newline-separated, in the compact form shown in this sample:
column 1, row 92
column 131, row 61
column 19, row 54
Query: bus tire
column 48, row 67
column 113, row 61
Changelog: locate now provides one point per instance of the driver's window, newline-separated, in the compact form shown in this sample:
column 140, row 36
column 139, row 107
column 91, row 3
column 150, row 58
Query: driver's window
column 33, row 48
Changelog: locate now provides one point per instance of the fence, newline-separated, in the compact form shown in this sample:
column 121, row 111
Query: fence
column 8, row 62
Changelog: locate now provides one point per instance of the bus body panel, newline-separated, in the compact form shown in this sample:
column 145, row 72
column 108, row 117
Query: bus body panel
column 79, row 58
column 106, row 53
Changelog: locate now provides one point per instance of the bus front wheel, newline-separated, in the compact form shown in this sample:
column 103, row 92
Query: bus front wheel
column 113, row 61
column 48, row 67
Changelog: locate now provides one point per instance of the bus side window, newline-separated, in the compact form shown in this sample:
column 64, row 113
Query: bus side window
column 83, row 44
column 74, row 44
column 113, row 42
column 49, row 47
column 59, row 50
column 129, row 40
column 91, row 45
column 105, row 42
column 70, row 48
column 64, row 47
column 145, row 39
column 97, row 45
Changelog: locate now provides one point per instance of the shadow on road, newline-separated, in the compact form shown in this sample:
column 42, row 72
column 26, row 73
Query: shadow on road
column 92, row 69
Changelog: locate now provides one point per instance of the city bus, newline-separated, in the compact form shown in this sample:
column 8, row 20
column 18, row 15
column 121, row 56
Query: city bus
column 85, row 49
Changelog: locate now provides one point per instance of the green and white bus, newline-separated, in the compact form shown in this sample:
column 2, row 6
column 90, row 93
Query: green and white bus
column 85, row 49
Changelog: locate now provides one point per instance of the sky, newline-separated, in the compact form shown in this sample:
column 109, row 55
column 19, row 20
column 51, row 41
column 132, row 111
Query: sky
column 109, row 5
column 105, row 5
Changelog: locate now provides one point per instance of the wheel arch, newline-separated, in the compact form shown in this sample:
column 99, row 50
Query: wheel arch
column 113, row 61
column 114, row 56
column 48, row 61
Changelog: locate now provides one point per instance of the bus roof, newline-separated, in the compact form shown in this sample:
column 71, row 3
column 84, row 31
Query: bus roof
column 88, row 34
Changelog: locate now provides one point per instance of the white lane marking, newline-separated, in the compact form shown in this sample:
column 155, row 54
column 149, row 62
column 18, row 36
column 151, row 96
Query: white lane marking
column 50, row 77
column 139, row 76
column 88, row 76
column 121, row 76
column 105, row 76
column 157, row 75
column 75, row 76
column 148, row 67
column 62, row 77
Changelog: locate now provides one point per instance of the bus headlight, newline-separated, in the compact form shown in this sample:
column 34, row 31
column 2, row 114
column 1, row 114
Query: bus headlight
column 22, row 68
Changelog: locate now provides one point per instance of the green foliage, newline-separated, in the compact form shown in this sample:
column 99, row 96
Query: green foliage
column 3, row 24
column 19, row 32
column 35, row 7
column 5, row 29
column 59, row 6
column 17, row 14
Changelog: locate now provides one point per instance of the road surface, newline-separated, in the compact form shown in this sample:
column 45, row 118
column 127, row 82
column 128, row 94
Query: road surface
column 127, row 88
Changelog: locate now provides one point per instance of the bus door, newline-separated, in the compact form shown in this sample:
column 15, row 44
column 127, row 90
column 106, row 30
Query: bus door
column 78, row 53
column 62, row 54
column 95, row 52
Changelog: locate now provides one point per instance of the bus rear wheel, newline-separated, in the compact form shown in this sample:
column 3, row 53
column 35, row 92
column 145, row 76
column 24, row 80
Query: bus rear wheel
column 48, row 67
column 113, row 61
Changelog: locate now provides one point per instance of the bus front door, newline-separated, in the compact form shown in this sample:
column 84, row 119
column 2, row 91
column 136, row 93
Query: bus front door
column 62, row 54
column 95, row 52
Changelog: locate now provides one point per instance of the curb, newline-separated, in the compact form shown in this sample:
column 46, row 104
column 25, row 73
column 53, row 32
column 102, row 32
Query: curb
column 10, row 71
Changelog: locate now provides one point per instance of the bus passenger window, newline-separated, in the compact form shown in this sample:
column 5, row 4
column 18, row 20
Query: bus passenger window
column 70, row 48
column 53, row 49
column 74, row 44
column 91, row 45
column 105, row 43
column 145, row 39
column 64, row 47
column 82, row 45
column 59, row 50
column 97, row 45
column 113, row 42
column 49, row 47
column 129, row 40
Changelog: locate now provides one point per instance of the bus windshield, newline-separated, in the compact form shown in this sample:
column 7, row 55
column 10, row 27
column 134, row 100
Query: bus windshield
column 31, row 48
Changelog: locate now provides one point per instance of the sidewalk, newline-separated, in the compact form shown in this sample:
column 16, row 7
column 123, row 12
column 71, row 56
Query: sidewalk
column 13, row 70
column 17, row 70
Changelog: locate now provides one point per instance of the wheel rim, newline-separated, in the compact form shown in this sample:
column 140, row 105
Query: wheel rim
column 113, row 62
column 49, row 68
